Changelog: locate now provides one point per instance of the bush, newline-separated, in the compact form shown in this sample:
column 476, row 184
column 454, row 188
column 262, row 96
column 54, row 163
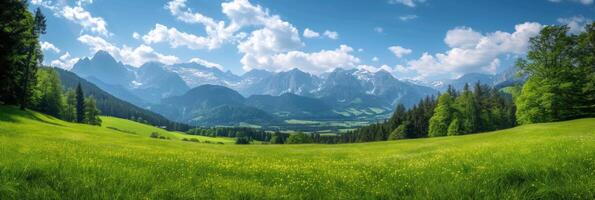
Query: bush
column 194, row 140
column 299, row 138
column 154, row 135
column 243, row 140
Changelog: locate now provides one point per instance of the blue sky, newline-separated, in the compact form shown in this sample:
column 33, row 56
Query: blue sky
column 413, row 39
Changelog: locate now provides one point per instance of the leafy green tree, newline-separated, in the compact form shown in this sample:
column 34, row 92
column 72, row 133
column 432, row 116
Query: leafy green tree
column 442, row 116
column 91, row 112
column 455, row 127
column 298, row 138
column 242, row 140
column 468, row 112
column 69, row 112
column 48, row 90
column 557, row 79
column 80, row 104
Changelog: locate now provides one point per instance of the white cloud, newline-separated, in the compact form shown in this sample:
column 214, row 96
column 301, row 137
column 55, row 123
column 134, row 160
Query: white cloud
column 84, row 18
column 375, row 59
column 49, row 46
column 206, row 63
column 410, row 3
column 399, row 51
column 331, row 34
column 575, row 24
column 65, row 61
column 132, row 56
column 378, row 29
column 481, row 55
column 308, row 33
column 317, row 62
column 462, row 37
column 175, row 38
column 136, row 36
column 76, row 14
column 584, row 2
column 407, row 17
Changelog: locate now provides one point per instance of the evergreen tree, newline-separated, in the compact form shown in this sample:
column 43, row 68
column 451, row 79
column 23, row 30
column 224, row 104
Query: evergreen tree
column 442, row 116
column 91, row 112
column 468, row 113
column 399, row 133
column 19, row 51
column 69, row 113
column 34, row 57
column 80, row 104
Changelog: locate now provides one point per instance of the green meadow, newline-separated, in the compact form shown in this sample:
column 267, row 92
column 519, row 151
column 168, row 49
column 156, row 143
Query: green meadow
column 45, row 158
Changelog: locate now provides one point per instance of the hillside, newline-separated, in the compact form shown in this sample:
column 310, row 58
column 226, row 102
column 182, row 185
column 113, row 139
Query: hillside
column 45, row 158
column 112, row 106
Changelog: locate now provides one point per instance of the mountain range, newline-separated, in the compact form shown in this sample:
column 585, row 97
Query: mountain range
column 206, row 95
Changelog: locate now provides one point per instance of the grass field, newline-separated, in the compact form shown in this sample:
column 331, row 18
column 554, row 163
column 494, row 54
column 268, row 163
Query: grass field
column 45, row 158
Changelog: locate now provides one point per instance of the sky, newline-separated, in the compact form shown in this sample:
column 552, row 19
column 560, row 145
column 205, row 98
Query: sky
column 424, row 40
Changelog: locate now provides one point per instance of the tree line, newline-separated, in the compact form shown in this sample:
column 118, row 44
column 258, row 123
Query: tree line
column 23, row 82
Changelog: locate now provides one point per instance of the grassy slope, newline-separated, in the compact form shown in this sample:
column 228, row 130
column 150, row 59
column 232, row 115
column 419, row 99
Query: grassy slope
column 127, row 126
column 44, row 158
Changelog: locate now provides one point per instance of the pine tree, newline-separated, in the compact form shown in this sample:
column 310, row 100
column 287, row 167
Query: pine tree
column 80, row 104
column 33, row 59
column 69, row 113
column 91, row 112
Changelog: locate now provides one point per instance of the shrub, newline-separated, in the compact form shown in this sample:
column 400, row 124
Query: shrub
column 194, row 140
column 154, row 135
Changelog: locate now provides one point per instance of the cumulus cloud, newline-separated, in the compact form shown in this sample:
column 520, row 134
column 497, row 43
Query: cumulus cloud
column 65, row 61
column 76, row 14
column 175, row 38
column 316, row 62
column 407, row 17
column 575, row 24
column 45, row 46
column 84, row 18
column 308, row 33
column 399, row 51
column 462, row 37
column 131, row 56
column 271, row 44
column 331, row 34
column 375, row 59
column 410, row 3
column 477, row 55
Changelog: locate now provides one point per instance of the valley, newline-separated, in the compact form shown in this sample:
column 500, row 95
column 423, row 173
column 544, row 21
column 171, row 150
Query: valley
column 201, row 95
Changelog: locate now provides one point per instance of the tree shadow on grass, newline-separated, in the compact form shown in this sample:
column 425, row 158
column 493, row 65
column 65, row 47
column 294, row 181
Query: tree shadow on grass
column 12, row 114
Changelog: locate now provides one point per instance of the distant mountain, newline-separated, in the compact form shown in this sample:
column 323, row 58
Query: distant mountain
column 105, row 68
column 294, row 81
column 212, row 105
column 195, row 74
column 470, row 79
column 112, row 106
column 505, row 78
column 291, row 106
column 362, row 88
column 142, row 86
column 154, row 83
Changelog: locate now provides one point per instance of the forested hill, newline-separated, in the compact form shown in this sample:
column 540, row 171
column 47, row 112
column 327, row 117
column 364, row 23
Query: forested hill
column 112, row 106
